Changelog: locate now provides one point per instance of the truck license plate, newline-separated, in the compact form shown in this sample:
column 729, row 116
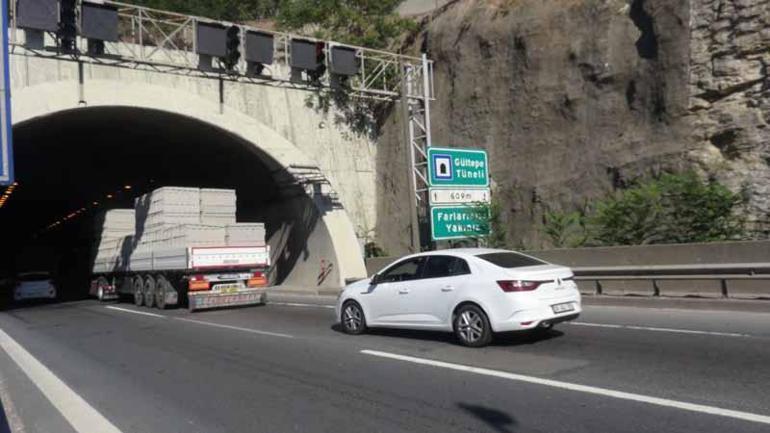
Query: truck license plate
column 228, row 288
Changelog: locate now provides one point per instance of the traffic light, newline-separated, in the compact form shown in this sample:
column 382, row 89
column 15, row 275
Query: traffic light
column 68, row 29
column 232, row 48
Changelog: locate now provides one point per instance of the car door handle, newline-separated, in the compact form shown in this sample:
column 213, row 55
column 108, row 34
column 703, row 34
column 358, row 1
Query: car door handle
column 447, row 289
column 403, row 291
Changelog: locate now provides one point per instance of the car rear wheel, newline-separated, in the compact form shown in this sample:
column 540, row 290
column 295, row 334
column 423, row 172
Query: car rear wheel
column 352, row 318
column 100, row 283
column 472, row 326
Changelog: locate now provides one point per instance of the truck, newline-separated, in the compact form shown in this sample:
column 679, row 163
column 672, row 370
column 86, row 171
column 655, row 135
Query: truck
column 175, row 252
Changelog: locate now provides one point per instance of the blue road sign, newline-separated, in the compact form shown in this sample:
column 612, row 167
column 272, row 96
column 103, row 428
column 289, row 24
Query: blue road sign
column 6, row 143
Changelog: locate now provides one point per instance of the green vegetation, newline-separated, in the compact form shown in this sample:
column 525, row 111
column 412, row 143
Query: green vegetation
column 230, row 10
column 674, row 208
column 497, row 237
column 369, row 23
column 566, row 229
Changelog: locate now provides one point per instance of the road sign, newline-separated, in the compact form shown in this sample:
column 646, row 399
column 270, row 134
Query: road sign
column 466, row 196
column 6, row 147
column 458, row 167
column 457, row 222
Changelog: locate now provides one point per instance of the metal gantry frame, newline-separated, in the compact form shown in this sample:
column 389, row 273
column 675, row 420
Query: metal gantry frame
column 163, row 41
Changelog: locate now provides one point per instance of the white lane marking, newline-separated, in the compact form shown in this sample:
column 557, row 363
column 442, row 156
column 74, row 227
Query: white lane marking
column 296, row 304
column 236, row 328
column 649, row 328
column 81, row 415
column 711, row 410
column 11, row 414
column 126, row 310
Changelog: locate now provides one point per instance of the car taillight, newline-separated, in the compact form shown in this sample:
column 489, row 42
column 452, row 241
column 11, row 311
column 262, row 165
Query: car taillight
column 518, row 285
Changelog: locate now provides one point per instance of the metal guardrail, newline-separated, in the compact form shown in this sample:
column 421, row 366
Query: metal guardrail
column 722, row 272
column 163, row 41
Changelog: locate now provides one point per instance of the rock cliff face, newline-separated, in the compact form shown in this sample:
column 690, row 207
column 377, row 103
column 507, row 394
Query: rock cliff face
column 575, row 98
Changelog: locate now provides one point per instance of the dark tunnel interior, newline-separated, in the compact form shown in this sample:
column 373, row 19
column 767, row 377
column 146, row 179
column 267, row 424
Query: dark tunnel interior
column 87, row 160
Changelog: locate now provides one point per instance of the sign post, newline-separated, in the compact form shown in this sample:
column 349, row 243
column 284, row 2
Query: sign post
column 6, row 143
column 459, row 193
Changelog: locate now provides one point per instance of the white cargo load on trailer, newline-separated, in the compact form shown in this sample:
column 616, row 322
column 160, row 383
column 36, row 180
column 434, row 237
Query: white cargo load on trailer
column 201, row 258
column 181, row 242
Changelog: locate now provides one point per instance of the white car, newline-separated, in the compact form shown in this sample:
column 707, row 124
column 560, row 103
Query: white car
column 472, row 292
column 34, row 285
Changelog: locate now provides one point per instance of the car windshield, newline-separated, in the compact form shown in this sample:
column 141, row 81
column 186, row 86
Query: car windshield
column 510, row 260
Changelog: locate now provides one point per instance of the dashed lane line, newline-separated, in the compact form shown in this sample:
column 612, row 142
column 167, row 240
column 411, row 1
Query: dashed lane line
column 143, row 313
column 236, row 328
column 654, row 329
column 297, row 304
column 692, row 407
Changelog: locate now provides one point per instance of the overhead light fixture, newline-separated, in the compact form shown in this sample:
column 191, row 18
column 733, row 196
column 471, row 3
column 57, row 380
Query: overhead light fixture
column 308, row 56
column 99, row 24
column 259, row 51
column 210, row 42
column 36, row 17
column 343, row 64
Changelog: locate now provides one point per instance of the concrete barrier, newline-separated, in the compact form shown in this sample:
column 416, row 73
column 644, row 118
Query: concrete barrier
column 675, row 254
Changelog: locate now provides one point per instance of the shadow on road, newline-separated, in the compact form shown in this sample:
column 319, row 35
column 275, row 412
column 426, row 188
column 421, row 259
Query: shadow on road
column 4, row 425
column 498, row 420
column 499, row 340
column 525, row 337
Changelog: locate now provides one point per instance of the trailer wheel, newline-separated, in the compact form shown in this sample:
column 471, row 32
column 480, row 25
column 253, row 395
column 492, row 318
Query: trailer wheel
column 138, row 292
column 163, row 290
column 149, row 291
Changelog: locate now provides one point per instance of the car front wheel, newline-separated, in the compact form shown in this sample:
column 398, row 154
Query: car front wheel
column 472, row 327
column 352, row 318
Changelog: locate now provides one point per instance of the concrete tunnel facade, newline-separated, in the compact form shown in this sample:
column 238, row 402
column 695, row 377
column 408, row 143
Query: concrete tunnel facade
column 316, row 235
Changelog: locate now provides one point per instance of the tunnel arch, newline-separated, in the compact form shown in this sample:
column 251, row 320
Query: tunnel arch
column 330, row 246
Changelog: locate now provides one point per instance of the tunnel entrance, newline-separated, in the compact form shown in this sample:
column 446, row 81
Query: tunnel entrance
column 87, row 160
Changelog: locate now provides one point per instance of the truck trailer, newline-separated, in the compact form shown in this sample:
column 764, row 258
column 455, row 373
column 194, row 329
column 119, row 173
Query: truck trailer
column 180, row 246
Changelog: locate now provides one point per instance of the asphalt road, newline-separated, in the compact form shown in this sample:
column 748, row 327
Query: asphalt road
column 283, row 368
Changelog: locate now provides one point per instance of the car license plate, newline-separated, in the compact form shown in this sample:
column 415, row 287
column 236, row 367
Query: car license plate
column 563, row 308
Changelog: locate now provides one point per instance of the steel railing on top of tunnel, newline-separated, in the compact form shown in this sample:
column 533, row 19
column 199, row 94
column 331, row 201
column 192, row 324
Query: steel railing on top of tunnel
column 165, row 41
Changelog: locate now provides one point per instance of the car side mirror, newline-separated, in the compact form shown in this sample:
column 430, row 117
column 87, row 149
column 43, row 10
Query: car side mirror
column 376, row 279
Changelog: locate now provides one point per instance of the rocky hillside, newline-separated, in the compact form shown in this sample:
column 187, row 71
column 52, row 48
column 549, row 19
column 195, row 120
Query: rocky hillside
column 576, row 98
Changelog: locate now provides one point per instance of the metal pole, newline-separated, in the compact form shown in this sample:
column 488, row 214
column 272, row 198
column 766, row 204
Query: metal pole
column 427, row 94
column 723, row 284
column 414, row 225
